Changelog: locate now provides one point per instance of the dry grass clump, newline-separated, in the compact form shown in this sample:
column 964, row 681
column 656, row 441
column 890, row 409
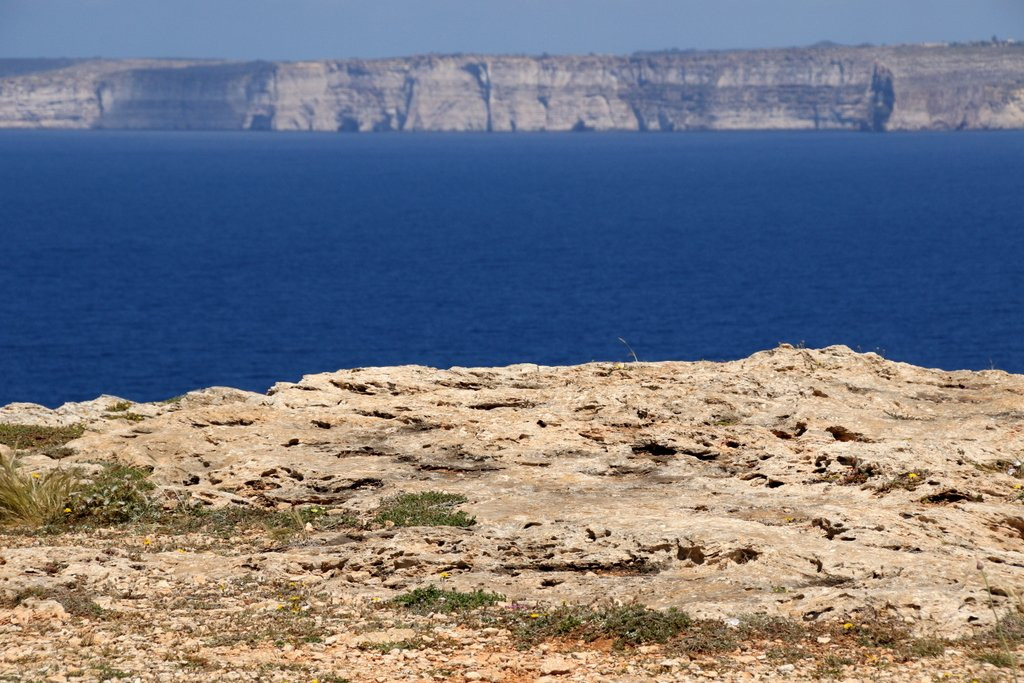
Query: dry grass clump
column 33, row 499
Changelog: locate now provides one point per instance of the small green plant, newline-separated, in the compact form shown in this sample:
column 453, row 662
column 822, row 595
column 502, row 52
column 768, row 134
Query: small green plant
column 105, row 672
column 920, row 648
column 393, row 645
column 433, row 599
column 21, row 436
column 635, row 624
column 117, row 494
column 119, row 411
column 32, row 499
column 831, row 666
column 626, row 625
column 430, row 508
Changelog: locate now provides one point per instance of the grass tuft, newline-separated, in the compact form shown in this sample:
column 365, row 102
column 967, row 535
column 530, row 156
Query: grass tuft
column 430, row 508
column 32, row 499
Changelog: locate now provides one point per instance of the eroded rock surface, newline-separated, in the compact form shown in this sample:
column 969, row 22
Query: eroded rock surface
column 811, row 484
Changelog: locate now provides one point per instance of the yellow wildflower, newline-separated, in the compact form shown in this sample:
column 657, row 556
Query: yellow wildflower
column 534, row 615
column 67, row 510
column 912, row 475
column 847, row 626
column 35, row 475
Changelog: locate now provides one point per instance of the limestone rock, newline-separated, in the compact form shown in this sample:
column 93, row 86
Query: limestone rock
column 812, row 484
column 829, row 87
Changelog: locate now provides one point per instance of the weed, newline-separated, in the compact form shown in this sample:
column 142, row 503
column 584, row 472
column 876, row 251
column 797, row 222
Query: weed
column 32, row 499
column 120, row 407
column 907, row 480
column 117, row 494
column 58, row 452
column 920, row 648
column 1013, row 468
column 635, row 624
column 632, row 624
column 129, row 416
column 831, row 666
column 881, row 634
column 105, row 672
column 393, row 645
column 708, row 637
column 229, row 520
column 560, row 622
column 20, row 436
column 75, row 601
column 1000, row 658
column 434, row 599
column 430, row 508
column 754, row 626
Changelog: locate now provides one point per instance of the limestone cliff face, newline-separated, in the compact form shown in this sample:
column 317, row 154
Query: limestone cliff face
column 867, row 88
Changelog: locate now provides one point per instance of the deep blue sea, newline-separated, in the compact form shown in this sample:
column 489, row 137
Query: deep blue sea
column 148, row 264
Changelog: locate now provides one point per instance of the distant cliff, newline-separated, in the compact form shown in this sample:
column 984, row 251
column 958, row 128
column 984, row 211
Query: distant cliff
column 848, row 88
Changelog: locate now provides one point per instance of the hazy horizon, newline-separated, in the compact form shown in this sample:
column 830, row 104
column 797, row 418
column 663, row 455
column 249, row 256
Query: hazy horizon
column 336, row 29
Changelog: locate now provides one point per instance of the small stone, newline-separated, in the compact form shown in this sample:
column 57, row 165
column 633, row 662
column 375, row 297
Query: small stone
column 824, row 639
column 786, row 669
column 473, row 675
column 555, row 666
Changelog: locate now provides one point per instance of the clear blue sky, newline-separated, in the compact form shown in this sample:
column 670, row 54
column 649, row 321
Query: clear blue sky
column 307, row 29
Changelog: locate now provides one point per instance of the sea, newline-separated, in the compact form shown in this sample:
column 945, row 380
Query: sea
column 147, row 264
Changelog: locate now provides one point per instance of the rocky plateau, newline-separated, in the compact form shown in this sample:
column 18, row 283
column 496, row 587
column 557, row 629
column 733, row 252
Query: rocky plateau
column 823, row 486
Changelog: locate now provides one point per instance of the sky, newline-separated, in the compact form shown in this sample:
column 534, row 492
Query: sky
column 312, row 29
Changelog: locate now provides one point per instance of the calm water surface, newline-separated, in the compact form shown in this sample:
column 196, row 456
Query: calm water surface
column 148, row 264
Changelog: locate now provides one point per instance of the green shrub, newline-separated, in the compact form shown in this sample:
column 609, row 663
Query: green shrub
column 434, row 599
column 117, row 494
column 430, row 508
column 635, row 624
